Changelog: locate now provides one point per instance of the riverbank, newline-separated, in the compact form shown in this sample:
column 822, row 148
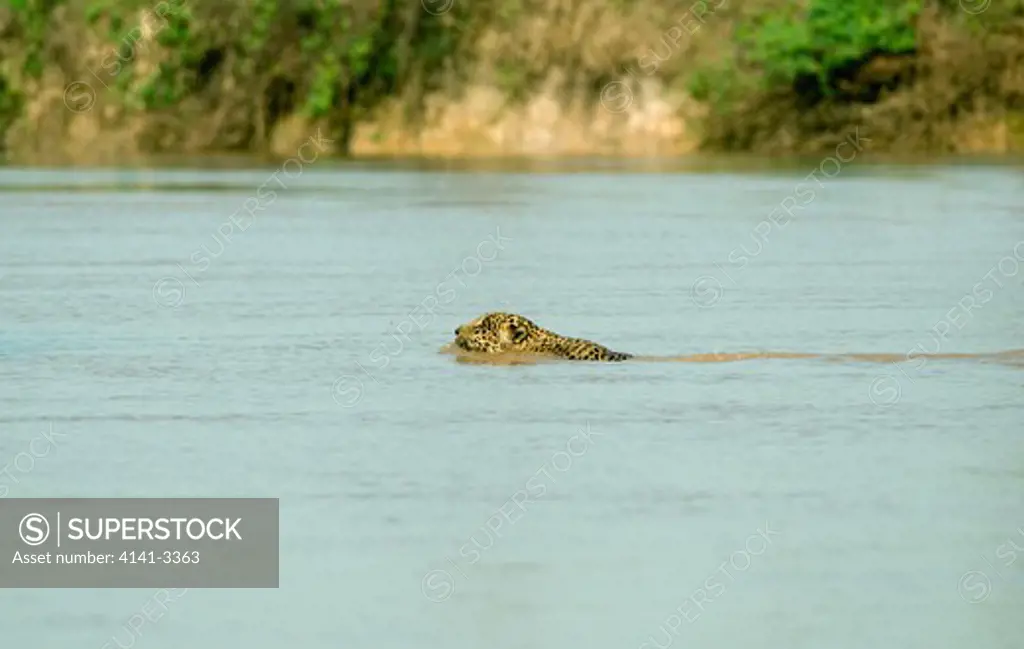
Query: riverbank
column 111, row 81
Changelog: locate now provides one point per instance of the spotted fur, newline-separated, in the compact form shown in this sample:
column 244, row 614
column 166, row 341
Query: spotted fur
column 498, row 333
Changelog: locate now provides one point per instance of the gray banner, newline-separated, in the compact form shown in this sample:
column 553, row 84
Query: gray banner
column 139, row 542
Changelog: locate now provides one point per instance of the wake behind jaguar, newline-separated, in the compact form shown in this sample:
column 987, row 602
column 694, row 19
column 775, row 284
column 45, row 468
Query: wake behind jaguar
column 511, row 338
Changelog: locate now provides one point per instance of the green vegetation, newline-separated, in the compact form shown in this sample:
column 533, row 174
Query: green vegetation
column 324, row 58
column 11, row 102
column 34, row 16
column 827, row 38
column 825, row 66
column 763, row 66
column 807, row 48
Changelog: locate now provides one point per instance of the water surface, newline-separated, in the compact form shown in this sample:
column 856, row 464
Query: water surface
column 426, row 503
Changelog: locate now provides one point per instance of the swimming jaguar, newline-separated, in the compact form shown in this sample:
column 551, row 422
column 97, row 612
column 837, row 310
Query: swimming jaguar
column 500, row 333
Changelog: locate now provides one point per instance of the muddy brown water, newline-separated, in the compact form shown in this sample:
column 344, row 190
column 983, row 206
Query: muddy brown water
column 1013, row 356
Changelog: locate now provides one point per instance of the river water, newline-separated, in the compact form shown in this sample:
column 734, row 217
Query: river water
column 170, row 343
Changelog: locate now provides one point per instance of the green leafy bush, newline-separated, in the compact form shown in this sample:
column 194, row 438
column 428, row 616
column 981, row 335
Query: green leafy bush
column 826, row 38
column 805, row 46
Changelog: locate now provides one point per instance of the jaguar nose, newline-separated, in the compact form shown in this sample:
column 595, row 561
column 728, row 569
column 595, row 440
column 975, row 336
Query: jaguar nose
column 456, row 331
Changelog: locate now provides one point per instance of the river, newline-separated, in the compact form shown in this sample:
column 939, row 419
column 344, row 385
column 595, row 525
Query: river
column 178, row 332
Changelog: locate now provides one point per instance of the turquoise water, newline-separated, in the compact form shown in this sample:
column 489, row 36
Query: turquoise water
column 426, row 503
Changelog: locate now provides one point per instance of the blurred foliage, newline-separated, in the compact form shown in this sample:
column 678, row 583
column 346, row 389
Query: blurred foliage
column 826, row 37
column 806, row 47
column 11, row 102
column 332, row 54
column 34, row 16
column 337, row 59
